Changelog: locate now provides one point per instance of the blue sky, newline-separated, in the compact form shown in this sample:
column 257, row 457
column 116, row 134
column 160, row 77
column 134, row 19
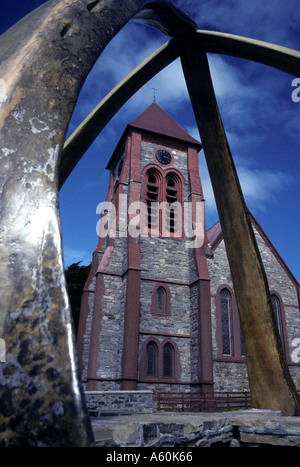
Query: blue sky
column 261, row 120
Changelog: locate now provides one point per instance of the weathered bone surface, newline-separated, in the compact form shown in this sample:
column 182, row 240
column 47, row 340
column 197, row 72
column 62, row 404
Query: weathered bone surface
column 82, row 138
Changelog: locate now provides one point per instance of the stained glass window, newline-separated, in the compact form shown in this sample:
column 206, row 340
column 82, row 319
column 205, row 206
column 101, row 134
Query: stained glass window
column 168, row 360
column 276, row 308
column 242, row 344
column 161, row 300
column 226, row 325
column 152, row 200
column 171, row 208
column 151, row 359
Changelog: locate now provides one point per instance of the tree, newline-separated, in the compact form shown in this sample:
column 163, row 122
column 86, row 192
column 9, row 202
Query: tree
column 76, row 277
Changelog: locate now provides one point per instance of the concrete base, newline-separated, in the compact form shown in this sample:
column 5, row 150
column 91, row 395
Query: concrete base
column 242, row 428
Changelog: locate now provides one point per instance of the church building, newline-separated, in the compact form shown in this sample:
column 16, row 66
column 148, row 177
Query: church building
column 158, row 309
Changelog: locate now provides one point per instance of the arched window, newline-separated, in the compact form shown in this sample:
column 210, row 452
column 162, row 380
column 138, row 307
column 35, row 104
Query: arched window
column 168, row 360
column 242, row 343
column 151, row 201
column 226, row 321
column 278, row 308
column 162, row 194
column 161, row 300
column 160, row 361
column 171, row 197
column 229, row 336
column 277, row 311
column 151, row 359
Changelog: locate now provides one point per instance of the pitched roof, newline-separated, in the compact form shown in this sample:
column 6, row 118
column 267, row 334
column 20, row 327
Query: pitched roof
column 215, row 236
column 156, row 120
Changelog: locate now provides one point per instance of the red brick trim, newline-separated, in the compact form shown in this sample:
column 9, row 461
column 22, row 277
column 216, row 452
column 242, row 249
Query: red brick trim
column 205, row 363
column 132, row 304
column 95, row 331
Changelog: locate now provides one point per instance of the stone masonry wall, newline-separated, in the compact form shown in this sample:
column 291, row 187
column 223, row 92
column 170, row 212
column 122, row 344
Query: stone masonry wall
column 112, row 330
column 110, row 339
column 118, row 402
column 178, row 152
column 233, row 375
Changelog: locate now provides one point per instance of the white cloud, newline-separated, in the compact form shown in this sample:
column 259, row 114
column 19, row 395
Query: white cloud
column 73, row 255
column 245, row 99
column 228, row 80
column 133, row 44
column 238, row 90
column 290, row 121
column 170, row 85
column 259, row 186
column 273, row 20
column 127, row 50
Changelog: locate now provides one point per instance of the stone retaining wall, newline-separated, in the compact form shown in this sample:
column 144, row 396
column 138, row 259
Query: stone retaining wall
column 118, row 402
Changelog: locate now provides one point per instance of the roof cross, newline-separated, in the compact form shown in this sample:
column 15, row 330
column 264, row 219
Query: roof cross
column 154, row 89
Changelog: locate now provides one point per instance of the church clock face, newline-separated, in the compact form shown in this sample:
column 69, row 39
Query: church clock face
column 163, row 156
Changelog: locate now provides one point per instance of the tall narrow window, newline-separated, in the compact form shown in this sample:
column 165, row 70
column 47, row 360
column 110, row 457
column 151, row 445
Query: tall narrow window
column 276, row 308
column 226, row 321
column 152, row 200
column 242, row 343
column 161, row 300
column 171, row 197
column 151, row 359
column 168, row 356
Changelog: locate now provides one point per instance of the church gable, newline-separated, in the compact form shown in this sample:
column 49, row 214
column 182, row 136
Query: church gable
column 155, row 120
column 273, row 263
column 227, row 338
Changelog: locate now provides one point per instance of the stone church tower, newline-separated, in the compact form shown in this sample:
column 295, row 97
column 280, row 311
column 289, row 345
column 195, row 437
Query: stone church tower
column 158, row 309
column 147, row 306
